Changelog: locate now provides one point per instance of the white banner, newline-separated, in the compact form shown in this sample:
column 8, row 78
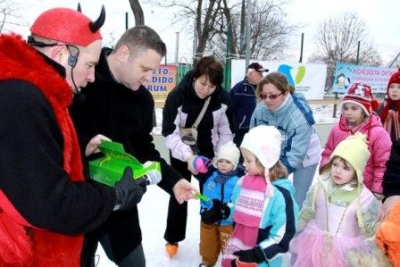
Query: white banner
column 308, row 79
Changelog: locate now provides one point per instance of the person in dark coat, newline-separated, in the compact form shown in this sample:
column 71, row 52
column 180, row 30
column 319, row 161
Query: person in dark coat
column 118, row 107
column 181, row 110
column 244, row 101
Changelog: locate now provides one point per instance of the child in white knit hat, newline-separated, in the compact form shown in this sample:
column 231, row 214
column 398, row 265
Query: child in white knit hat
column 216, row 227
column 339, row 213
column 263, row 208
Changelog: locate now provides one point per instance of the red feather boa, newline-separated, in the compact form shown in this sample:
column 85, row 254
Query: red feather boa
column 21, row 244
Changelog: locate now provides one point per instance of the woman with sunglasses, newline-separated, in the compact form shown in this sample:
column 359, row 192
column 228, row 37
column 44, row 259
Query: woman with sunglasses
column 288, row 111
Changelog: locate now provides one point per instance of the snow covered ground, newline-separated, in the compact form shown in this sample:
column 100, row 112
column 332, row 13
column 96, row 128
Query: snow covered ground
column 153, row 214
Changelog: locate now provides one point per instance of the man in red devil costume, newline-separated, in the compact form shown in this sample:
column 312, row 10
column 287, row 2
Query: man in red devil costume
column 45, row 204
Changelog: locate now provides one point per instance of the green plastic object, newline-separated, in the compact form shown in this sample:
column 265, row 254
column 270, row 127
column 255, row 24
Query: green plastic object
column 109, row 169
column 202, row 197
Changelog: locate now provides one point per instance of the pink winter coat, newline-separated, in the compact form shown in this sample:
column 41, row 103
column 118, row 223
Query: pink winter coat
column 379, row 145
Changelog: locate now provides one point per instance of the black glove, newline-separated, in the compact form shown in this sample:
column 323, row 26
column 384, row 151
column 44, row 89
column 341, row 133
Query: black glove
column 218, row 212
column 251, row 255
column 128, row 191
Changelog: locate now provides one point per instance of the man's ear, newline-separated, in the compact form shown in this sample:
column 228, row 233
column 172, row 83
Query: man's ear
column 123, row 53
column 59, row 53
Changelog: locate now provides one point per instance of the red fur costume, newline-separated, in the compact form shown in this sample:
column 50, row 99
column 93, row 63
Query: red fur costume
column 22, row 244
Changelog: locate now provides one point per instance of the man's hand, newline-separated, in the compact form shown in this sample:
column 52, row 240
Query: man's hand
column 183, row 190
column 93, row 145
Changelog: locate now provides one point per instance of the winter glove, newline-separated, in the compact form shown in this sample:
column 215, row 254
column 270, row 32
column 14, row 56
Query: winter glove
column 128, row 191
column 200, row 164
column 251, row 255
column 218, row 212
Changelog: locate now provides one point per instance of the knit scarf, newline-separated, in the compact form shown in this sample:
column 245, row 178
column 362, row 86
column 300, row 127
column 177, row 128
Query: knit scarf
column 248, row 213
column 389, row 105
column 392, row 124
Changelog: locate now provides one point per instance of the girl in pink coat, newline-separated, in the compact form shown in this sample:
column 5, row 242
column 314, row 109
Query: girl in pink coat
column 357, row 116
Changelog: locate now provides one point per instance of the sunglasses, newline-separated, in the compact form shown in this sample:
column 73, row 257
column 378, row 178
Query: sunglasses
column 272, row 97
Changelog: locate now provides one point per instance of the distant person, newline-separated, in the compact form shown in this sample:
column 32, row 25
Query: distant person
column 389, row 110
column 119, row 107
column 190, row 132
column 340, row 212
column 244, row 100
column 289, row 111
column 263, row 209
column 216, row 227
column 45, row 204
column 357, row 116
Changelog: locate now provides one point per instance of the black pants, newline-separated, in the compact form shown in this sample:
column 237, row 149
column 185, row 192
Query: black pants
column 177, row 213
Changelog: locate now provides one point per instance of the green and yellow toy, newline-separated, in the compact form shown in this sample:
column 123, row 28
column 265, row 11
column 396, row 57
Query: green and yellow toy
column 109, row 169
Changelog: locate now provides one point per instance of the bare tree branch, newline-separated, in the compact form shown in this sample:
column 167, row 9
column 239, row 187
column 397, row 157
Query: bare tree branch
column 209, row 20
column 337, row 40
column 9, row 15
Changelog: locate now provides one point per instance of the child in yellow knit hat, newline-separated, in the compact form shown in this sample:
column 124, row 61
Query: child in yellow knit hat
column 340, row 213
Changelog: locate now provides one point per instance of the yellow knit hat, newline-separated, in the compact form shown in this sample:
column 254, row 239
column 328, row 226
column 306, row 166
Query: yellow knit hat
column 354, row 149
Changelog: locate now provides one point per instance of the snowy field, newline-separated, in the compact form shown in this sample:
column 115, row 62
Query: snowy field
column 153, row 214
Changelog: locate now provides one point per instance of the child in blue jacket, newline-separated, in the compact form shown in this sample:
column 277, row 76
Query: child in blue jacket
column 215, row 227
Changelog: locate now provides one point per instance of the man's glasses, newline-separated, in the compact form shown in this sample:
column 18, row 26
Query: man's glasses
column 272, row 97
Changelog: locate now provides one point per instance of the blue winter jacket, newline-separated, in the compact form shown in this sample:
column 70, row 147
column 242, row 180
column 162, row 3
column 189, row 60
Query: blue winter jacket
column 301, row 146
column 244, row 102
column 219, row 186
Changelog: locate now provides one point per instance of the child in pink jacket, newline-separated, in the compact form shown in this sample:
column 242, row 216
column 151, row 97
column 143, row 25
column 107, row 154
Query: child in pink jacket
column 358, row 116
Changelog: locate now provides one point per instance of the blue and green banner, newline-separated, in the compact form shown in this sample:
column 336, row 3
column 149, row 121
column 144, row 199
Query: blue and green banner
column 308, row 79
column 346, row 74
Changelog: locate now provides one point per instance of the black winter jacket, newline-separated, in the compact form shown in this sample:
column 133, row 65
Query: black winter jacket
column 125, row 116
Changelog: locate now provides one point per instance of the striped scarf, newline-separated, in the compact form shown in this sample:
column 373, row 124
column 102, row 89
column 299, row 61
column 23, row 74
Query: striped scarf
column 248, row 213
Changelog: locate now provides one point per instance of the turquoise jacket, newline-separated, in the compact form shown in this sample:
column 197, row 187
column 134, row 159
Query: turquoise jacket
column 278, row 224
column 301, row 146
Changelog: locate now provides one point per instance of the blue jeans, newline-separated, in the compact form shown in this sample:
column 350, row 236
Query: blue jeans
column 302, row 180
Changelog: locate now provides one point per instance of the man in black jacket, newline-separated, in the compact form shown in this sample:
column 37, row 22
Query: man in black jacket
column 119, row 107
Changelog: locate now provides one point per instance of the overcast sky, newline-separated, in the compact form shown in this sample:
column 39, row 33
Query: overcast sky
column 380, row 16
